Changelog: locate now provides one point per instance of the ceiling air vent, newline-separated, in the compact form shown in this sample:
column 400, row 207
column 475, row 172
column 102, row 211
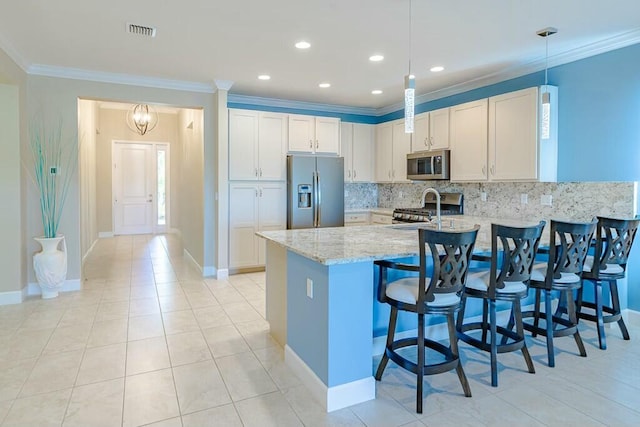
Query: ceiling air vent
column 141, row 30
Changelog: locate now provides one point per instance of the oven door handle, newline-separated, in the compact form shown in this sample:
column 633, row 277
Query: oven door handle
column 433, row 171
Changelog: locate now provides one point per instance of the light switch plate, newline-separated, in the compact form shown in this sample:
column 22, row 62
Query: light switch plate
column 524, row 198
column 483, row 196
column 546, row 200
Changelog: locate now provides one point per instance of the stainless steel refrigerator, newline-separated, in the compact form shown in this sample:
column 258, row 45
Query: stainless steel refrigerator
column 315, row 191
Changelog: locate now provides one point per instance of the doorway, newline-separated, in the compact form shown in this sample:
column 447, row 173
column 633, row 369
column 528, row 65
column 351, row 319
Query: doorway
column 140, row 187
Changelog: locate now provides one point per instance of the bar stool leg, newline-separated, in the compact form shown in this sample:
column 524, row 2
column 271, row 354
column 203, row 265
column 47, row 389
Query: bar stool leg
column 573, row 318
column 393, row 317
column 453, row 341
column 615, row 304
column 494, row 345
column 599, row 319
column 520, row 329
column 485, row 325
column 420, row 373
column 548, row 315
column 536, row 314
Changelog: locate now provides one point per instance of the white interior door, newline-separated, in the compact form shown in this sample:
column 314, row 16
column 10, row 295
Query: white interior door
column 134, row 178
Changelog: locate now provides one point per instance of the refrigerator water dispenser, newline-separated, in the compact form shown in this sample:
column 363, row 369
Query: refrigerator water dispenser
column 304, row 196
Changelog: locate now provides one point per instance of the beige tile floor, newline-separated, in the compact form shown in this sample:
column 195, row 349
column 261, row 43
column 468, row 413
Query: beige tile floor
column 149, row 342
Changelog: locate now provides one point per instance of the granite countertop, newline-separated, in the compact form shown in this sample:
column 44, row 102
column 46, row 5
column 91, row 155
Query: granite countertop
column 344, row 245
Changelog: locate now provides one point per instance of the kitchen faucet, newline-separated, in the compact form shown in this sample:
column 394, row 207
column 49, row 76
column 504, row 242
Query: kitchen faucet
column 424, row 198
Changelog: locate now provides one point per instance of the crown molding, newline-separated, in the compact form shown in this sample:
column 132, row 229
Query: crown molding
column 118, row 78
column 13, row 54
column 223, row 84
column 300, row 105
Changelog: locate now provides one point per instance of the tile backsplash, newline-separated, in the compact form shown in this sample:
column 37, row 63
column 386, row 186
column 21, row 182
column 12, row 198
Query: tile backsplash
column 577, row 200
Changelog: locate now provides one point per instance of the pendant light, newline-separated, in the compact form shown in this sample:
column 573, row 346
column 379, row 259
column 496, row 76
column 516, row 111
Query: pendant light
column 546, row 95
column 409, row 89
column 142, row 118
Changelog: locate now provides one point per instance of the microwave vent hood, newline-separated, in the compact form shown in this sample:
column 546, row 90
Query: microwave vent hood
column 428, row 165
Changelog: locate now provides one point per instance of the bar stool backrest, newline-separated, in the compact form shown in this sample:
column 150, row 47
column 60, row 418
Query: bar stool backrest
column 613, row 243
column 518, row 247
column 568, row 248
column 449, row 253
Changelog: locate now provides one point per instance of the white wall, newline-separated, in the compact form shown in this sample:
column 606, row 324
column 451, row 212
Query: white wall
column 87, row 126
column 191, row 183
column 10, row 188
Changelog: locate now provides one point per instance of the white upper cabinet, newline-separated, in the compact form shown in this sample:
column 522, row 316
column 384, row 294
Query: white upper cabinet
column 257, row 144
column 357, row 142
column 431, row 131
column 392, row 147
column 469, row 141
column 310, row 134
column 500, row 139
column 518, row 150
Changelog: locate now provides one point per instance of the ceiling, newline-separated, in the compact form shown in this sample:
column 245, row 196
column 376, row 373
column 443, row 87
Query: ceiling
column 201, row 41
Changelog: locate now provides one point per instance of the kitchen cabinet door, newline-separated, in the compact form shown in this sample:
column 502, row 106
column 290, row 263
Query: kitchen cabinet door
column 272, row 142
column 346, row 143
column 243, row 224
column 384, row 152
column 243, row 142
column 327, row 135
column 401, row 147
column 469, row 141
column 272, row 208
column 420, row 136
column 362, row 152
column 513, row 137
column 301, row 133
column 439, row 129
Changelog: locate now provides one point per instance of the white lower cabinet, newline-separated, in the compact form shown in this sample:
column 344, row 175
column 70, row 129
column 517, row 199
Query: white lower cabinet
column 379, row 218
column 356, row 218
column 254, row 207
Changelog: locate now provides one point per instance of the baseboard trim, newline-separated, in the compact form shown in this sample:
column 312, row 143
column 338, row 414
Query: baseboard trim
column 12, row 297
column 632, row 316
column 93, row 245
column 192, row 260
column 105, row 234
column 332, row 398
column 68, row 286
column 222, row 273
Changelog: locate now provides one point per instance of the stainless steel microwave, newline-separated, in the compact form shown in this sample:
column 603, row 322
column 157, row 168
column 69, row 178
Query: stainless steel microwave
column 426, row 165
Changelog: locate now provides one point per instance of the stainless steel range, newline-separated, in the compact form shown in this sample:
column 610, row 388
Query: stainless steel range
column 450, row 204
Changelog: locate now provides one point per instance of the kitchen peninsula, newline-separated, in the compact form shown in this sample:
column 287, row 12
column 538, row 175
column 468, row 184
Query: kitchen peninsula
column 320, row 299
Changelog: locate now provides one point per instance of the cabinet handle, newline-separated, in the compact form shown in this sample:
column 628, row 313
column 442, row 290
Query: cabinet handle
column 493, row 169
column 354, row 174
column 260, row 171
column 261, row 192
column 310, row 143
column 316, row 144
column 256, row 192
column 348, row 174
column 255, row 171
column 430, row 141
column 426, row 141
column 484, row 170
column 393, row 173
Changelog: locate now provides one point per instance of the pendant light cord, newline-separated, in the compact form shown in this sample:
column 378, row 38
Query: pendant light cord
column 546, row 59
column 410, row 47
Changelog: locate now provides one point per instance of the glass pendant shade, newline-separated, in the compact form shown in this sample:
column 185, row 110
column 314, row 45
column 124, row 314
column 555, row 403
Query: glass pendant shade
column 409, row 102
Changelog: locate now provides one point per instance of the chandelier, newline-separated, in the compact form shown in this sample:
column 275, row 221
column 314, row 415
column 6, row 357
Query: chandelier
column 142, row 119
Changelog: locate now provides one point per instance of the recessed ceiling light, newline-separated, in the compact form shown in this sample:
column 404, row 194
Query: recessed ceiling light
column 376, row 58
column 437, row 69
column 264, row 77
column 324, row 85
column 303, row 45
column 376, row 92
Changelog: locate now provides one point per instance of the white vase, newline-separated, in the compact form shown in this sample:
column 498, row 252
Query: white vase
column 50, row 265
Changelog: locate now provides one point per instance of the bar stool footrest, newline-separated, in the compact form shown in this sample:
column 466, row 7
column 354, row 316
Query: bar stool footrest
column 517, row 344
column 451, row 361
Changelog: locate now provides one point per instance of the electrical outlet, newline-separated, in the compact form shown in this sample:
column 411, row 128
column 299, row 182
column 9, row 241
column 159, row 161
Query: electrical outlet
column 483, row 196
column 524, row 198
column 400, row 195
column 546, row 200
column 309, row 288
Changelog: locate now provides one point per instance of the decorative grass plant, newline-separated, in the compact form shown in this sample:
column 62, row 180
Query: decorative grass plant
column 54, row 163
